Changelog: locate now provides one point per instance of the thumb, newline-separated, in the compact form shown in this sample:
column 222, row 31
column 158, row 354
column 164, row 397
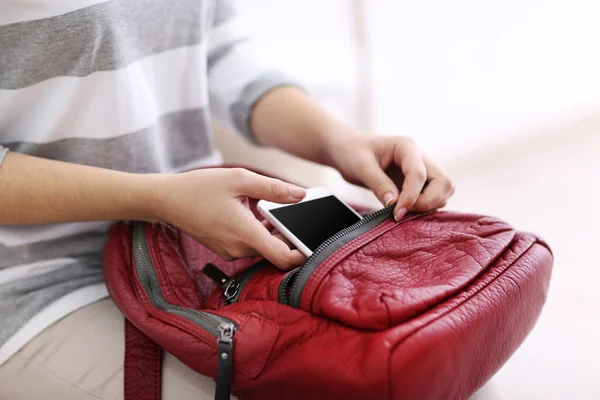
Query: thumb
column 260, row 187
column 382, row 185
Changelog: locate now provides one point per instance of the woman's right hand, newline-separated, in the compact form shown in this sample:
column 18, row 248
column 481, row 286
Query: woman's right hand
column 211, row 205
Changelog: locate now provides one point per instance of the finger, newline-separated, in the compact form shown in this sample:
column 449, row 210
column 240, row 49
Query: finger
column 278, row 252
column 221, row 252
column 434, row 196
column 283, row 239
column 240, row 251
column 410, row 160
column 377, row 180
column 257, row 186
column 438, row 191
column 270, row 247
column 296, row 259
column 268, row 225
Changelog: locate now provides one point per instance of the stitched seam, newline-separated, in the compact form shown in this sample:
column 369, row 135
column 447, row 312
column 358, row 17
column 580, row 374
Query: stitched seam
column 196, row 302
column 471, row 296
column 336, row 260
column 167, row 318
column 249, row 285
column 157, row 257
column 194, row 331
column 126, row 361
column 445, row 313
column 182, row 323
column 262, row 358
column 336, row 263
column 157, row 372
column 338, row 256
column 350, row 248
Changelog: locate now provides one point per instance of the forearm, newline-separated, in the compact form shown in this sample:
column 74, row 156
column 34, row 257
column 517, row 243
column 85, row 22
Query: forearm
column 34, row 190
column 287, row 118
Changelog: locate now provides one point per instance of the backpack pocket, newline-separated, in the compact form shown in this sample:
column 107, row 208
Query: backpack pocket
column 380, row 272
column 398, row 270
column 264, row 281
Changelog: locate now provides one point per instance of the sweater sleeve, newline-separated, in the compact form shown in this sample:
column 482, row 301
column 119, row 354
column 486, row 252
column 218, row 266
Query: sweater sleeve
column 237, row 75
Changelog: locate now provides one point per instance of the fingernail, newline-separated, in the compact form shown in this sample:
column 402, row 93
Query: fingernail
column 400, row 213
column 297, row 192
column 388, row 198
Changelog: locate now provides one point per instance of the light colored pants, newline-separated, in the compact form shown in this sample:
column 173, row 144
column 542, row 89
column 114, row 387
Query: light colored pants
column 81, row 358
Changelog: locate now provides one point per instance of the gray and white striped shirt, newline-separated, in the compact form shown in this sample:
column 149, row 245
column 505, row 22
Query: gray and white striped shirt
column 129, row 85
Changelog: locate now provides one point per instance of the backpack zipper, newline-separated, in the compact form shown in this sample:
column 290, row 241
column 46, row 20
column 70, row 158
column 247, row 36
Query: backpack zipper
column 223, row 329
column 299, row 277
column 233, row 287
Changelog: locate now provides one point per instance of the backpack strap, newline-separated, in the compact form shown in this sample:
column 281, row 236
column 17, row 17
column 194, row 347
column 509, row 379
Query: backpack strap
column 142, row 366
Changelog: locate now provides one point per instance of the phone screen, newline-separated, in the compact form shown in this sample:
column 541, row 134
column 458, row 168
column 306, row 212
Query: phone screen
column 315, row 221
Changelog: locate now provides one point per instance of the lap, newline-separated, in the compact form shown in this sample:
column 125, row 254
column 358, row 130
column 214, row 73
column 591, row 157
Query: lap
column 81, row 358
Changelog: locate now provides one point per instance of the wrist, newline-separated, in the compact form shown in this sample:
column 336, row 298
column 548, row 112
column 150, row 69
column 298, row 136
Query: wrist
column 287, row 118
column 148, row 199
column 341, row 141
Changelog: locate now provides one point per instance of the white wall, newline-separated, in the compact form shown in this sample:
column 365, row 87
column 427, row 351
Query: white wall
column 316, row 41
column 456, row 75
column 464, row 73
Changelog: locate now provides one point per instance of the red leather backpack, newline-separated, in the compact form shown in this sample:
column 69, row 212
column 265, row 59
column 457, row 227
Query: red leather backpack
column 426, row 308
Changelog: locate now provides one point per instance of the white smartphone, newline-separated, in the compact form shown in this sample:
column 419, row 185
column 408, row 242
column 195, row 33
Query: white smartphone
column 310, row 222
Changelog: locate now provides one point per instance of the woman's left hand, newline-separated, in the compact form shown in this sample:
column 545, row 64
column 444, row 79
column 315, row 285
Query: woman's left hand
column 394, row 168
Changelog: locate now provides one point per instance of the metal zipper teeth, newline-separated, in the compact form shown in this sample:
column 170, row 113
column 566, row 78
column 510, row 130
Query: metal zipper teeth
column 143, row 258
column 282, row 296
column 156, row 302
column 283, row 292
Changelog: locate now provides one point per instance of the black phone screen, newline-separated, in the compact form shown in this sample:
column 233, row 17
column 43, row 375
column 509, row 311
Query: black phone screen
column 315, row 221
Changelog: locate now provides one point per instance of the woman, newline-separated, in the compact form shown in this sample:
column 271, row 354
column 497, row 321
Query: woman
column 103, row 104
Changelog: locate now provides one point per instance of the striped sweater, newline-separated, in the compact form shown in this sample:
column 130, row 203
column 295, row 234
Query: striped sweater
column 130, row 85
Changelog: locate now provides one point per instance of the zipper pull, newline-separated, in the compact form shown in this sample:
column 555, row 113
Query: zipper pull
column 224, row 364
column 230, row 291
column 229, row 285
column 214, row 273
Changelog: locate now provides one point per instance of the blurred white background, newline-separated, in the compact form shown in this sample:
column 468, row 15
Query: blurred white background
column 456, row 74
column 506, row 94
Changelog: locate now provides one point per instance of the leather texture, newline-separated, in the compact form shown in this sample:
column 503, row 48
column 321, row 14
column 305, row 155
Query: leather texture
column 142, row 365
column 426, row 309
